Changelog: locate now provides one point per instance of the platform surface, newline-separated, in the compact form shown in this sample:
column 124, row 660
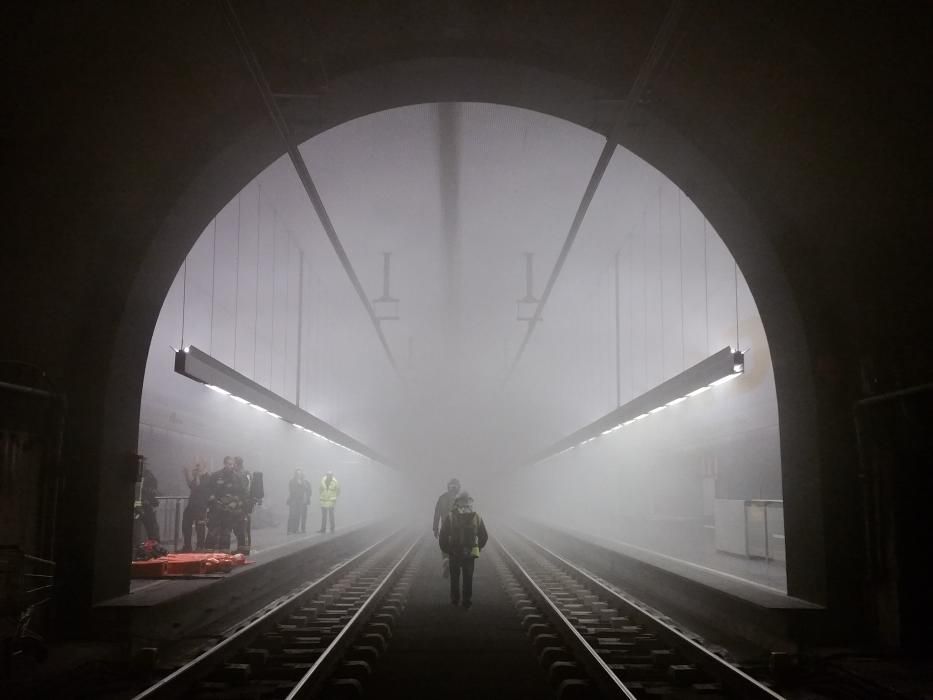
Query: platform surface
column 269, row 545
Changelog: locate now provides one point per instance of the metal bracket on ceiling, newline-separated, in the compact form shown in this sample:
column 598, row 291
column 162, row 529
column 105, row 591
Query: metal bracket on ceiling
column 386, row 306
column 525, row 307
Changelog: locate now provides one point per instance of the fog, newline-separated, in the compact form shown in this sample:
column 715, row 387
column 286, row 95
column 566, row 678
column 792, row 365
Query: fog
column 458, row 193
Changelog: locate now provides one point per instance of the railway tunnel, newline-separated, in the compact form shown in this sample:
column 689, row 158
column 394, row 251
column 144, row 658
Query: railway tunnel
column 635, row 287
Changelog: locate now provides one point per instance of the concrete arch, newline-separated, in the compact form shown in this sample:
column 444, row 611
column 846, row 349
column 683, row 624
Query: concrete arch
column 403, row 83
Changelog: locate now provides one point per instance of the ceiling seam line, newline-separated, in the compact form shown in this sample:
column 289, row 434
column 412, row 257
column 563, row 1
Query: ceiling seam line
column 658, row 46
column 304, row 175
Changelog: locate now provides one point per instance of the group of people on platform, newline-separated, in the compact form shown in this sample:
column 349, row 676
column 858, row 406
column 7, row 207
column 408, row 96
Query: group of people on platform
column 299, row 498
column 221, row 503
column 461, row 535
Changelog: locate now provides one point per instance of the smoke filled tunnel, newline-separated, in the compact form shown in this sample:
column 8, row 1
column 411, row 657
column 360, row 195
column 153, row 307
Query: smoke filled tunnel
column 639, row 175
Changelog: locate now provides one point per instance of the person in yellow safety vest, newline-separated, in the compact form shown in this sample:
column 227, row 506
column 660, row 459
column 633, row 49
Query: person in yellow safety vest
column 330, row 489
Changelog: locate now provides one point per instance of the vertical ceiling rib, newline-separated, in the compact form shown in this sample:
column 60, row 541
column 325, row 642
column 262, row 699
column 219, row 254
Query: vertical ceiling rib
column 301, row 169
column 642, row 78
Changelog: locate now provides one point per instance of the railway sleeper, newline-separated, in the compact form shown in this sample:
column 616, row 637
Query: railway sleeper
column 576, row 689
column 344, row 688
column 285, row 672
column 364, row 652
column 549, row 655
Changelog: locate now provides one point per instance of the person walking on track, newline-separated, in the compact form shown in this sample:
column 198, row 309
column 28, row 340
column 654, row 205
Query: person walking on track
column 445, row 502
column 461, row 538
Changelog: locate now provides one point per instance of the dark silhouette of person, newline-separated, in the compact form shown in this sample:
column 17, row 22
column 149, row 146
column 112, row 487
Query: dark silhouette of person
column 299, row 497
column 462, row 536
column 445, row 502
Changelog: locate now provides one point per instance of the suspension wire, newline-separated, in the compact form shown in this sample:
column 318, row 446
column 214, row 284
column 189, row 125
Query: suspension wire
column 616, row 304
column 210, row 342
column 683, row 324
column 288, row 281
column 644, row 289
column 661, row 279
column 184, row 299
column 236, row 283
column 735, row 274
column 275, row 225
column 256, row 306
column 631, row 313
column 706, row 279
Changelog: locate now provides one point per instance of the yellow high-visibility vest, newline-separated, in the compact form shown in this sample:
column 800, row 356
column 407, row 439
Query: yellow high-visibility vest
column 329, row 493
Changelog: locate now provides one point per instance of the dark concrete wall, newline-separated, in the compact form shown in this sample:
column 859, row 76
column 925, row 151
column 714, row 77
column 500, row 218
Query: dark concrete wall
column 800, row 131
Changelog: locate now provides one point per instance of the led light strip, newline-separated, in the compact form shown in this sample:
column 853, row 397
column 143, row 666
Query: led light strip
column 221, row 379
column 719, row 368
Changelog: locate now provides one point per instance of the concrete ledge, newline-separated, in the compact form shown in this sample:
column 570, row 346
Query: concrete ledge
column 166, row 610
column 722, row 607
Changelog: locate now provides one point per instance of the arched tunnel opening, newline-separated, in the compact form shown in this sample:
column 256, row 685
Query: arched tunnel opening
column 456, row 214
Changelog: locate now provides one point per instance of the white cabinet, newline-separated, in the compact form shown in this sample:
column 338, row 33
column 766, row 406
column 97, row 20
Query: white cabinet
column 750, row 528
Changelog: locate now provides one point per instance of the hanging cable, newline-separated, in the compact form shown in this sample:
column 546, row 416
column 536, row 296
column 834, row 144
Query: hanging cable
column 184, row 298
column 661, row 279
column 288, row 284
column 706, row 280
column 631, row 312
column 735, row 275
column 683, row 325
column 618, row 320
column 644, row 290
column 210, row 342
column 236, row 283
column 275, row 226
column 256, row 306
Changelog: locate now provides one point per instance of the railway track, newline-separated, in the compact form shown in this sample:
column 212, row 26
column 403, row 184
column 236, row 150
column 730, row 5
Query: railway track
column 597, row 643
column 324, row 640
column 323, row 637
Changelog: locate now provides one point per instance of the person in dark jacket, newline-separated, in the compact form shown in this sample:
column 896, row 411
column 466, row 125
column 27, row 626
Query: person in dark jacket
column 195, row 515
column 445, row 502
column 148, row 503
column 226, row 499
column 299, row 496
column 462, row 536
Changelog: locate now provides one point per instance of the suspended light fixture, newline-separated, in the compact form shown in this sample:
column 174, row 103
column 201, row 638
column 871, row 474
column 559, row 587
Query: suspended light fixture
column 719, row 368
column 221, row 379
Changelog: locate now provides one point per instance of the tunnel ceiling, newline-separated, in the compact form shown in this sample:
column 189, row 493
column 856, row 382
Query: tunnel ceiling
column 459, row 194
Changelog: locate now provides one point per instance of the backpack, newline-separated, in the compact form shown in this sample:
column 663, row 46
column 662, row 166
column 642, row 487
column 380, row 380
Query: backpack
column 464, row 534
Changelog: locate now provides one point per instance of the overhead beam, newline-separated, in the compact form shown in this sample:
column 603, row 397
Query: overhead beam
column 219, row 377
column 301, row 169
column 642, row 80
column 723, row 366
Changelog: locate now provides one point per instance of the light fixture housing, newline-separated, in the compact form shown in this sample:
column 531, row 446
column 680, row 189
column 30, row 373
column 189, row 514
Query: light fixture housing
column 716, row 369
column 201, row 367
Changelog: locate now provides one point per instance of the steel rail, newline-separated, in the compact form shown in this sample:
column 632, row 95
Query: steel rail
column 268, row 99
column 174, row 684
column 639, row 85
column 733, row 679
column 322, row 669
column 609, row 684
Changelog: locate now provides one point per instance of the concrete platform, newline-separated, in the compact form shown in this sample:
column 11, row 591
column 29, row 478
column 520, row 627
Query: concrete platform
column 156, row 611
column 724, row 607
column 438, row 650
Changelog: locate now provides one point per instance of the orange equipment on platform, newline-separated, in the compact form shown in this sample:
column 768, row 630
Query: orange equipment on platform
column 188, row 564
